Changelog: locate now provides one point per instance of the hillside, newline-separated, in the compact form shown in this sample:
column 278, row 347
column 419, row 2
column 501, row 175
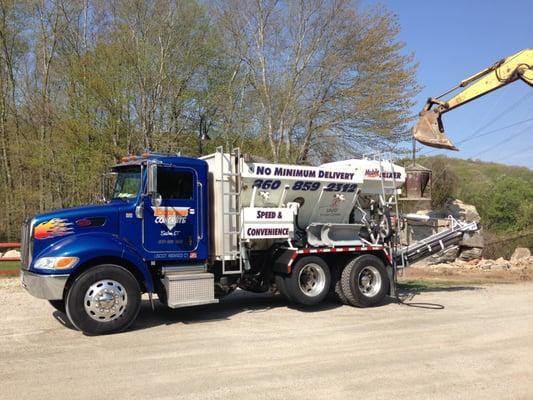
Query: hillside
column 475, row 176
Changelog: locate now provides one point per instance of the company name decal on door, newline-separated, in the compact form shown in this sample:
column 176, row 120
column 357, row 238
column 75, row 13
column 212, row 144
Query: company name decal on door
column 171, row 216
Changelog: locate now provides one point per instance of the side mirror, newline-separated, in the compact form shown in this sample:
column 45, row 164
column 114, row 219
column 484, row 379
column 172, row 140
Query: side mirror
column 151, row 184
column 102, row 198
column 156, row 199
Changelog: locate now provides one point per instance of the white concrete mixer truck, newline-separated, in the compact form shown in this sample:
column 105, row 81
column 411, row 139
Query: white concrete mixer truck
column 193, row 230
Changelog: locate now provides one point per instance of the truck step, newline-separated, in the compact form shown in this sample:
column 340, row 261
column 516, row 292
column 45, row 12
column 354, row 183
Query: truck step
column 232, row 253
column 185, row 290
column 183, row 269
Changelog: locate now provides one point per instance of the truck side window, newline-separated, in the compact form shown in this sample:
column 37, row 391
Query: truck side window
column 172, row 184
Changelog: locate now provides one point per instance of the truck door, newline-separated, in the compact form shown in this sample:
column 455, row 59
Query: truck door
column 171, row 228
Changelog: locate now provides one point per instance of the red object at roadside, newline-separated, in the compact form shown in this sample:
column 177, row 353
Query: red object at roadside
column 12, row 245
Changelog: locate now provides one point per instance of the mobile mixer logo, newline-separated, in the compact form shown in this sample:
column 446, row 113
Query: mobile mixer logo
column 171, row 216
column 374, row 173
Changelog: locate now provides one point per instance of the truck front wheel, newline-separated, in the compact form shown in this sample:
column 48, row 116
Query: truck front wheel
column 103, row 299
column 309, row 282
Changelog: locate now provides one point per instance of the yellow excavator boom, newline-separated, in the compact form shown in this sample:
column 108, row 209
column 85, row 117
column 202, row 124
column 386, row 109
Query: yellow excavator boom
column 429, row 129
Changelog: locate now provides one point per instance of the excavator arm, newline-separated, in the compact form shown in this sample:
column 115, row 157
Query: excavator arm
column 429, row 129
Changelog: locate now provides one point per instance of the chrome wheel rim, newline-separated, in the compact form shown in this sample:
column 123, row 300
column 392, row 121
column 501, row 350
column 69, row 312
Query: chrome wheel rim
column 369, row 281
column 312, row 280
column 105, row 300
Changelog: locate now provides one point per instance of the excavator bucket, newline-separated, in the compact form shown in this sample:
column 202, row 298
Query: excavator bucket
column 429, row 131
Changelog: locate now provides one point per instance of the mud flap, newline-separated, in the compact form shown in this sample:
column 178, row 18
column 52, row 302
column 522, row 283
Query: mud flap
column 392, row 281
column 283, row 261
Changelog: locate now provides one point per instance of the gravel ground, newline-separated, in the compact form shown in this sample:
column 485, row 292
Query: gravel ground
column 480, row 345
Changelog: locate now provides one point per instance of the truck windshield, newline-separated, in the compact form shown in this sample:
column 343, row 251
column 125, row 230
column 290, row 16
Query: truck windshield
column 128, row 183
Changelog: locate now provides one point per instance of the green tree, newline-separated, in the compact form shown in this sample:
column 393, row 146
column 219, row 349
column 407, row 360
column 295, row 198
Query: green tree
column 83, row 82
column 324, row 77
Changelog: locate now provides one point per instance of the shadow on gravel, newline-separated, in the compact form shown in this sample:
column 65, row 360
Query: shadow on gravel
column 246, row 302
column 417, row 289
column 63, row 320
column 235, row 303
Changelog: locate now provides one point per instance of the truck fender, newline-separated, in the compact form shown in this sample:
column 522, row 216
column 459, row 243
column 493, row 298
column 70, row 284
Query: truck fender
column 284, row 260
column 92, row 246
column 130, row 254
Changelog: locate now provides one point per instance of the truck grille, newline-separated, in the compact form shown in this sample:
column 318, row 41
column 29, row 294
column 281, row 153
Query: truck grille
column 25, row 242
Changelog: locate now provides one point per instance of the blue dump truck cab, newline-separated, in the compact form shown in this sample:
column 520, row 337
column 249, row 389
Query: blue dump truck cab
column 155, row 217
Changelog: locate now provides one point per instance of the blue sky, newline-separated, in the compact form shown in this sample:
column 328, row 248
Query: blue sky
column 454, row 39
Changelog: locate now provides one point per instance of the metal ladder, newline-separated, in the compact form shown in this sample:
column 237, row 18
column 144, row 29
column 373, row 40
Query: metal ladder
column 394, row 242
column 397, row 240
column 231, row 197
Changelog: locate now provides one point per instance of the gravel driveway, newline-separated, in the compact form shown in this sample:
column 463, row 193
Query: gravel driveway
column 254, row 346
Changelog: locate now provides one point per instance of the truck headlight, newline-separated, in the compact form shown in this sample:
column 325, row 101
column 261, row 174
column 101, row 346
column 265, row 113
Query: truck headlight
column 56, row 262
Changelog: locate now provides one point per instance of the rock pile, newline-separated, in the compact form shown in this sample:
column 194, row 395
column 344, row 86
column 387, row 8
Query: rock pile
column 520, row 254
column 11, row 254
column 520, row 260
column 468, row 252
column 471, row 247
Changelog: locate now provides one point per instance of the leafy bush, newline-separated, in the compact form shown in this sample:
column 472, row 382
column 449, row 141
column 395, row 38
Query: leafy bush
column 507, row 205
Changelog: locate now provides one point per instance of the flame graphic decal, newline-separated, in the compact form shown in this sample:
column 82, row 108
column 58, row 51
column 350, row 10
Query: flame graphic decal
column 52, row 228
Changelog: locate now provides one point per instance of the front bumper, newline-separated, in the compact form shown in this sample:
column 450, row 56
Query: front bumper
column 48, row 287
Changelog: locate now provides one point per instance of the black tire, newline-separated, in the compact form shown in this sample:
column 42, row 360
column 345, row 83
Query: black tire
column 123, row 289
column 305, row 270
column 336, row 283
column 282, row 287
column 59, row 305
column 364, row 281
column 339, row 295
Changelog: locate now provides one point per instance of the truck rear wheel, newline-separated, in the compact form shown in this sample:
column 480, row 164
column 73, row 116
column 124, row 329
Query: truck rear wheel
column 364, row 281
column 339, row 295
column 103, row 299
column 310, row 281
